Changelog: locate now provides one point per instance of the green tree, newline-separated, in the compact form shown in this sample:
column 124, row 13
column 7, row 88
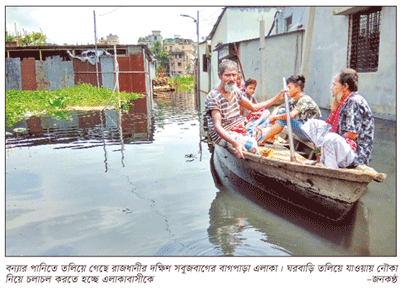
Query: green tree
column 188, row 68
column 157, row 47
column 161, row 54
column 10, row 39
column 33, row 39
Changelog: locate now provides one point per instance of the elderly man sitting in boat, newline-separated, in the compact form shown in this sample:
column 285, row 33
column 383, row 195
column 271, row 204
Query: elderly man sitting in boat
column 346, row 138
column 222, row 106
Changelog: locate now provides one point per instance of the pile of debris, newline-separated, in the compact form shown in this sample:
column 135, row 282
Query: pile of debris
column 160, row 81
column 161, row 84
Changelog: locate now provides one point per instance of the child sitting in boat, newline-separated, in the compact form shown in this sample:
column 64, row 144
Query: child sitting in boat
column 249, row 88
column 239, row 81
column 302, row 108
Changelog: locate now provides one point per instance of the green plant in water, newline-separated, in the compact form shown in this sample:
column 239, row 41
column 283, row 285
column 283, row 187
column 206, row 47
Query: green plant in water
column 184, row 83
column 55, row 103
column 60, row 114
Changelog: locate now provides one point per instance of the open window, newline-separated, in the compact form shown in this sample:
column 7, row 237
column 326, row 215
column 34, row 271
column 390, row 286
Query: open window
column 288, row 23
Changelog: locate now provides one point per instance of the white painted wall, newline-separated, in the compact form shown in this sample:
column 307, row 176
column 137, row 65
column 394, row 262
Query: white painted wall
column 279, row 63
column 380, row 87
column 328, row 55
column 204, row 80
column 299, row 16
column 220, row 36
column 244, row 24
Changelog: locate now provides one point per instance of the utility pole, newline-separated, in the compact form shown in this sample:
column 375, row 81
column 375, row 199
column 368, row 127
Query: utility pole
column 198, row 61
column 95, row 45
column 198, row 58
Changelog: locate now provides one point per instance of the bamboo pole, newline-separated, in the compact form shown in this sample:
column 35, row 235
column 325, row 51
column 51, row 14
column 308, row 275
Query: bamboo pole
column 288, row 122
column 119, row 110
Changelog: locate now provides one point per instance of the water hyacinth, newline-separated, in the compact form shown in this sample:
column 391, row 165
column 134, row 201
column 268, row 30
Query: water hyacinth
column 183, row 83
column 56, row 103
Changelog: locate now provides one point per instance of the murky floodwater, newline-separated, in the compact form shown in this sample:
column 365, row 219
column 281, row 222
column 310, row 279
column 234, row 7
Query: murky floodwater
column 142, row 184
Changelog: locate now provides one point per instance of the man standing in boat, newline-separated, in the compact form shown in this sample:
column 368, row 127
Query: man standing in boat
column 349, row 136
column 222, row 106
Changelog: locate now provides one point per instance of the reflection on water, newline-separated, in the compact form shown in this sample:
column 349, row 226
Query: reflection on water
column 142, row 183
column 178, row 107
column 86, row 183
column 85, row 129
column 288, row 225
column 233, row 231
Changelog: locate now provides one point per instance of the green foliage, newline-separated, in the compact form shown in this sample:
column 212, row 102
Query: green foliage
column 157, row 48
column 161, row 54
column 185, row 80
column 35, row 38
column 163, row 59
column 10, row 39
column 183, row 83
column 188, row 68
column 56, row 102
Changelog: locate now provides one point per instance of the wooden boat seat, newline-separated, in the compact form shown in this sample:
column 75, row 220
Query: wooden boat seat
column 297, row 140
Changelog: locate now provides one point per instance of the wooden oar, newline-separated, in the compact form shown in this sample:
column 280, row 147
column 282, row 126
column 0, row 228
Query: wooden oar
column 288, row 122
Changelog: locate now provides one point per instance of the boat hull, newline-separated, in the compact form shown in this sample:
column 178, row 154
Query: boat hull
column 325, row 192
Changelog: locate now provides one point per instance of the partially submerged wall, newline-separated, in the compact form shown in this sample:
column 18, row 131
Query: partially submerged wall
column 57, row 72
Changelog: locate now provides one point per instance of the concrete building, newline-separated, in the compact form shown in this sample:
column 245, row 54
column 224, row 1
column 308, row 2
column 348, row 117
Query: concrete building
column 110, row 40
column 151, row 39
column 181, row 55
column 314, row 41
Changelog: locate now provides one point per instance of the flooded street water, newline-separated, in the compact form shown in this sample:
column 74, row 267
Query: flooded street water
column 142, row 184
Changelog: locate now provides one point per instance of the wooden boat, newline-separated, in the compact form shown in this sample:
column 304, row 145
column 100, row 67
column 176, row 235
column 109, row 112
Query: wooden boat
column 325, row 191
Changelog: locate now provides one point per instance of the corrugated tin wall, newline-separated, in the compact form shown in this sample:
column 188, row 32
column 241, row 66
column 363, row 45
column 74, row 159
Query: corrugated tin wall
column 53, row 73
column 28, row 74
column 132, row 73
column 108, row 75
column 13, row 74
column 86, row 73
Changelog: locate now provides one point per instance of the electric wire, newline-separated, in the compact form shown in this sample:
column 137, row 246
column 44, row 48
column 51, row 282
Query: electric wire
column 109, row 12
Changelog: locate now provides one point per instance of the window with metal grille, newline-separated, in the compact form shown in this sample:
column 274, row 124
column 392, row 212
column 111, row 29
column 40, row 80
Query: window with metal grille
column 364, row 30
